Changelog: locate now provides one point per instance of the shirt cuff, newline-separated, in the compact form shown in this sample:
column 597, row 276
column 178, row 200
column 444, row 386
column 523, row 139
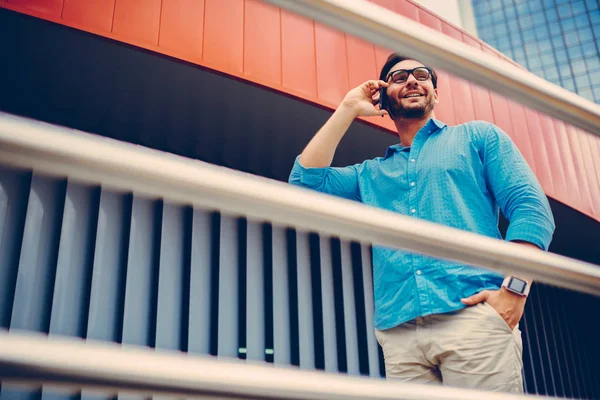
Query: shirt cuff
column 531, row 232
column 310, row 177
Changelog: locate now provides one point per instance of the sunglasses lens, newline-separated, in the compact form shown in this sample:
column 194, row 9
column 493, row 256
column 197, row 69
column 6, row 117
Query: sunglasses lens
column 421, row 74
column 400, row 76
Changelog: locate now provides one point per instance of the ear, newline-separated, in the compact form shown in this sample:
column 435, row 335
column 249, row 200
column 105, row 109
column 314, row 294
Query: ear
column 436, row 96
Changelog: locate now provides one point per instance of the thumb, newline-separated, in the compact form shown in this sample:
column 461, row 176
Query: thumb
column 382, row 112
column 476, row 298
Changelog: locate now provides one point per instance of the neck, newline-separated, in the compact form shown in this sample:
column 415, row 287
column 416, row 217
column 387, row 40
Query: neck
column 408, row 127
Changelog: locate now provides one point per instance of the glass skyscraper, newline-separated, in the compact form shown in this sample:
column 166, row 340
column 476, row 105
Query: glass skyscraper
column 556, row 39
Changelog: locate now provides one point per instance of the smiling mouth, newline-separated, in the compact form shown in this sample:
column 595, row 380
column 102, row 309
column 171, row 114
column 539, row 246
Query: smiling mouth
column 411, row 96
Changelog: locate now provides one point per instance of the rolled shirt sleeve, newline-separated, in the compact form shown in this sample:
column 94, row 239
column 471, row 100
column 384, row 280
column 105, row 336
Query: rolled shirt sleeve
column 516, row 190
column 342, row 182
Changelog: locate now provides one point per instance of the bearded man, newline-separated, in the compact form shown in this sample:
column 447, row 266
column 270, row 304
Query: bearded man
column 437, row 321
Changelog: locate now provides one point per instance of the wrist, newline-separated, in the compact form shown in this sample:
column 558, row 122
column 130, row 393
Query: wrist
column 349, row 108
column 516, row 285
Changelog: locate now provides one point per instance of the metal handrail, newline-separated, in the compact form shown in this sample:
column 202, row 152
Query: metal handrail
column 84, row 157
column 75, row 364
column 382, row 27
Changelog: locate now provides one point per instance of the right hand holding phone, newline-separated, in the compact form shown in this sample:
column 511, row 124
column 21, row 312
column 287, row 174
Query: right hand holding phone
column 363, row 99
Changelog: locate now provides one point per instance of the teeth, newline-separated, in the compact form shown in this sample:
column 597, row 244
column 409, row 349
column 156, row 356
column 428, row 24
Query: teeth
column 413, row 95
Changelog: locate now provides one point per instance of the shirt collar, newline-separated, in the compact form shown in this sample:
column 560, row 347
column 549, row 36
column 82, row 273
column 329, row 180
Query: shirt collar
column 433, row 125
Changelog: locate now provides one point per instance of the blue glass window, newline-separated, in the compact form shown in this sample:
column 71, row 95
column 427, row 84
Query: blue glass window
column 544, row 45
column 547, row 59
column 587, row 93
column 485, row 20
column 551, row 15
column 595, row 17
column 592, row 63
column 528, row 35
column 519, row 54
column 585, row 34
column 551, row 73
column 582, row 21
column 596, row 94
column 575, row 52
column 571, row 38
column 565, row 71
column 534, row 63
column 531, row 50
column 568, row 24
column 510, row 13
column 578, row 67
column 561, row 56
column 595, row 78
column 578, row 7
column 498, row 16
column 526, row 22
column 589, row 49
column 558, row 42
column 535, row 5
column 568, row 84
column 564, row 11
column 582, row 81
column 592, row 5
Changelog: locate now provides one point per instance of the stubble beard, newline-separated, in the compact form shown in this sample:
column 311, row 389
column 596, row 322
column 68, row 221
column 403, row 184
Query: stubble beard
column 399, row 111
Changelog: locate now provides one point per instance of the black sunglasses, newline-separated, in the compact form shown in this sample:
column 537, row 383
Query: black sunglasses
column 401, row 75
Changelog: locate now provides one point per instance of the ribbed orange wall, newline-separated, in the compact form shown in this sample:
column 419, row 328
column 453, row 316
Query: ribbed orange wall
column 272, row 47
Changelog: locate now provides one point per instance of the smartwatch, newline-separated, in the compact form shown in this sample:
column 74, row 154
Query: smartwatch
column 516, row 285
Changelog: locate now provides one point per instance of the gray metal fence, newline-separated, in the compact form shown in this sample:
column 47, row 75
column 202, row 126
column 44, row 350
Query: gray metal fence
column 87, row 262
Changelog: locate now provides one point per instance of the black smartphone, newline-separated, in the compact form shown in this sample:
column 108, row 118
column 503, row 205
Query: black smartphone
column 383, row 98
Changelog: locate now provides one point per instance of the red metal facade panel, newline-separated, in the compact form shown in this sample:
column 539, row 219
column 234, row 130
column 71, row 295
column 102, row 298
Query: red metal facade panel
column 361, row 61
column 521, row 133
column 540, row 152
column 445, row 108
column 555, row 158
column 568, row 167
column 182, row 27
column 137, row 20
column 460, row 89
column 255, row 41
column 224, row 35
column 96, row 14
column 588, row 160
column 48, row 7
column 332, row 64
column 482, row 102
column 299, row 65
column 262, row 41
column 581, row 170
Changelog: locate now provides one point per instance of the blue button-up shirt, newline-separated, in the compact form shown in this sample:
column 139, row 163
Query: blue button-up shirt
column 453, row 175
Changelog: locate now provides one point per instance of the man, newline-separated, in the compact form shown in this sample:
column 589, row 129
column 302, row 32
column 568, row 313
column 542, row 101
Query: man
column 437, row 321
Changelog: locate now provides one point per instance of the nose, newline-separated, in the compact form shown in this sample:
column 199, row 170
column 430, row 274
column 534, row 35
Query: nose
column 411, row 81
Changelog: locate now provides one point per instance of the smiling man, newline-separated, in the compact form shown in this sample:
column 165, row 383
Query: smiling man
column 437, row 321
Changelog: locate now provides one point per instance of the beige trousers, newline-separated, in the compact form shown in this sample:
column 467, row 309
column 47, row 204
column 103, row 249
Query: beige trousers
column 471, row 348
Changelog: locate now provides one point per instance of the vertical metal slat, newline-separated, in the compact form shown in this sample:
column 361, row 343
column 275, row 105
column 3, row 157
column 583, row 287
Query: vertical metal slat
column 73, row 270
column 14, row 190
column 367, row 273
column 305, row 303
column 108, row 276
column 350, row 327
column 200, row 287
column 281, row 302
column 169, row 312
column 327, row 294
column 228, row 288
column 255, row 297
column 138, row 315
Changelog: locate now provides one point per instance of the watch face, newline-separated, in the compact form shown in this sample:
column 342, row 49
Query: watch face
column 517, row 285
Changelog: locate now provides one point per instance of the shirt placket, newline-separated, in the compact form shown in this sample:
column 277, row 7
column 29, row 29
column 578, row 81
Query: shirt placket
column 413, row 210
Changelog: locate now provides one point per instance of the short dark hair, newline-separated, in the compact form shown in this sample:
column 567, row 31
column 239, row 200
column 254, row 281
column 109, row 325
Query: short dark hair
column 394, row 59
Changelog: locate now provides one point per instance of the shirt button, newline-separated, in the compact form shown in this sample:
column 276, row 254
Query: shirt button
column 412, row 184
column 412, row 160
column 418, row 272
column 413, row 211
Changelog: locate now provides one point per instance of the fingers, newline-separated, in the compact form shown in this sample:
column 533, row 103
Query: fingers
column 476, row 298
